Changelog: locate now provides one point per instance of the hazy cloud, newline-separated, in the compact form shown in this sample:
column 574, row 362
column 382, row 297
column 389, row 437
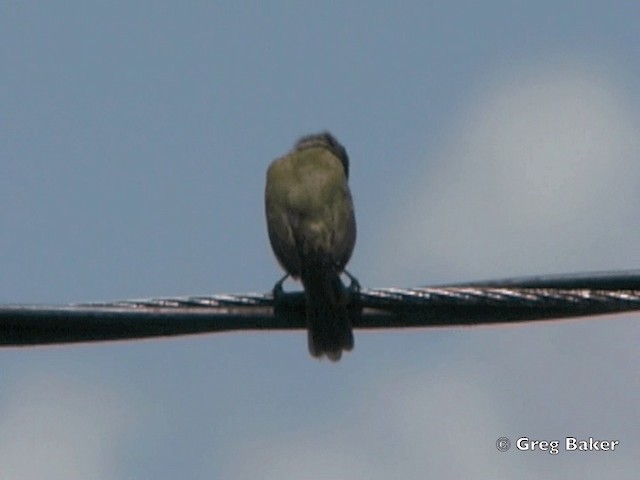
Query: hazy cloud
column 538, row 176
column 59, row 426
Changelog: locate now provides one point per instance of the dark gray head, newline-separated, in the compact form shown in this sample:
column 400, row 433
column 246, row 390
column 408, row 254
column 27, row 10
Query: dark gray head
column 325, row 139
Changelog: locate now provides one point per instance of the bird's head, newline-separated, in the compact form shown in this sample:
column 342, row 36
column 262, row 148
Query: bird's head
column 326, row 140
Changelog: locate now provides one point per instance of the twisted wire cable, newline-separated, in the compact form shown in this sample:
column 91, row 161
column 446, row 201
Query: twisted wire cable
column 481, row 303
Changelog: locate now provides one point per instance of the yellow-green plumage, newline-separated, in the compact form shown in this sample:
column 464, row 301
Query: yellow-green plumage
column 312, row 230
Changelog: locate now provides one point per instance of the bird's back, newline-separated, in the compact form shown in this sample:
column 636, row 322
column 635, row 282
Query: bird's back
column 309, row 207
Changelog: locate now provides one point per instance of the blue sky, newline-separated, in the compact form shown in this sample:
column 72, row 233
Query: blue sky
column 486, row 140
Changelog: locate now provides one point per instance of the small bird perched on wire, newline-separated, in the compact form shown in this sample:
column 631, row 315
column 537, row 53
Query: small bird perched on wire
column 312, row 229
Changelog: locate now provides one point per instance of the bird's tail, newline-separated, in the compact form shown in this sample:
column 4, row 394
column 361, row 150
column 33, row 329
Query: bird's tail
column 328, row 319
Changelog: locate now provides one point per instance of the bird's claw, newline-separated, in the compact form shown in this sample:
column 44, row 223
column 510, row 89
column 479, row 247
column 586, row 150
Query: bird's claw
column 354, row 298
column 278, row 290
column 354, row 286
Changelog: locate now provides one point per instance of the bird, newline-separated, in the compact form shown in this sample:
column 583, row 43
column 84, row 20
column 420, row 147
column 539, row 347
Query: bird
column 312, row 231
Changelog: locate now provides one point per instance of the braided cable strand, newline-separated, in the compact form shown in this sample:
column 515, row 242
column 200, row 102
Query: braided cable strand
column 455, row 306
column 520, row 300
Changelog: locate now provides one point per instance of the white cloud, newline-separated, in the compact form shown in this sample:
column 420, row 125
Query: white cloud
column 56, row 426
column 400, row 432
column 539, row 176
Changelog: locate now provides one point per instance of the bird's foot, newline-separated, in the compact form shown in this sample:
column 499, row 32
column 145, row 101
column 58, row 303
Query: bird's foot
column 354, row 299
column 354, row 286
column 278, row 290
